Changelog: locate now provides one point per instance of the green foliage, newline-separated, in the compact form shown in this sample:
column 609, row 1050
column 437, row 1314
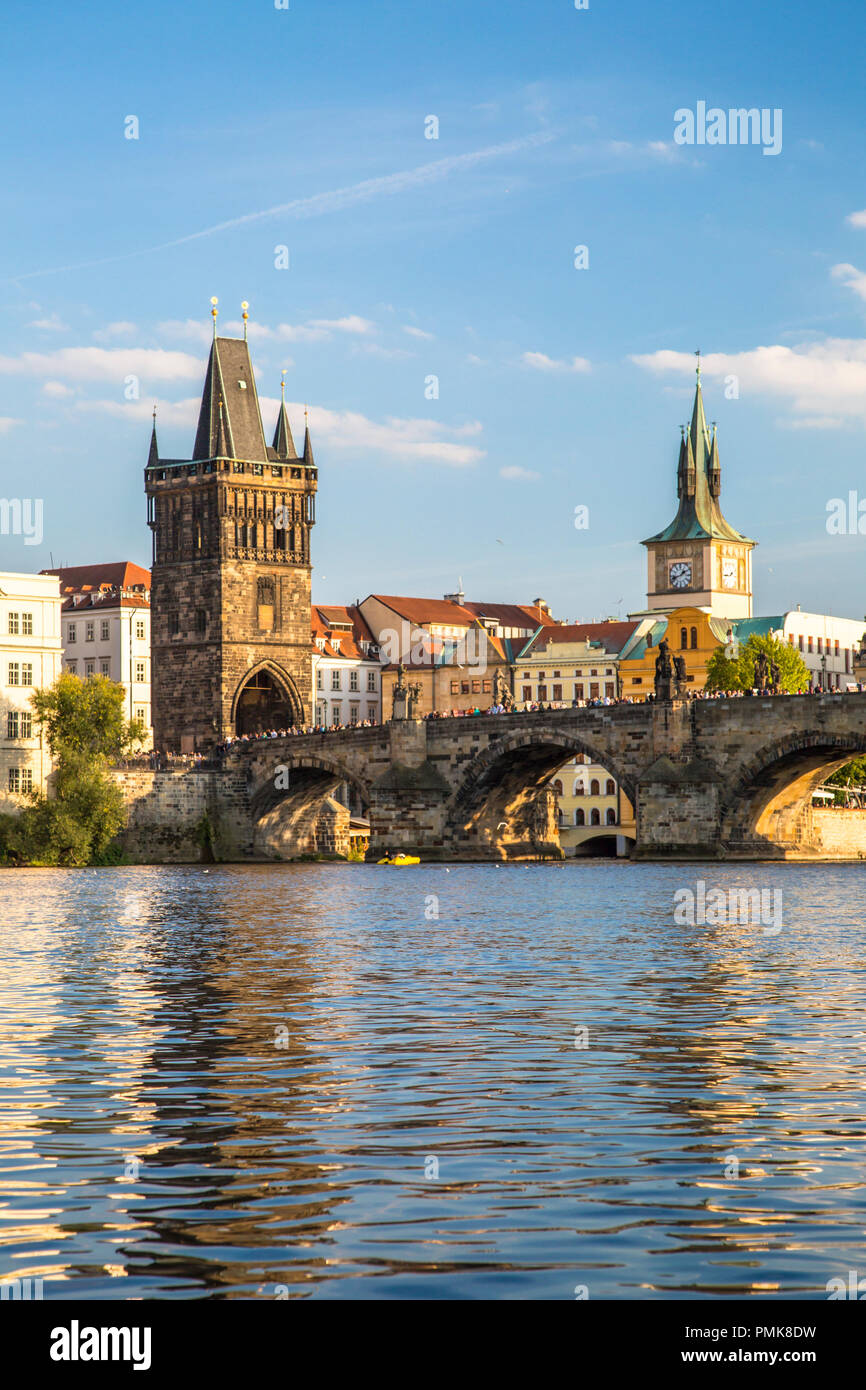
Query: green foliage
column 853, row 774
column 85, row 716
column 726, row 674
column 84, row 726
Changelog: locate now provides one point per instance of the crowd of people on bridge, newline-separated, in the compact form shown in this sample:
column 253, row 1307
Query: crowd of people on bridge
column 167, row 762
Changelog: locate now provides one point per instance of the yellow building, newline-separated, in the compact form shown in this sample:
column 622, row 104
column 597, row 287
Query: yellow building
column 691, row 633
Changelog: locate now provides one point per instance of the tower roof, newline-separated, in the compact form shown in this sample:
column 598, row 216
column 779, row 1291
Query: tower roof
column 230, row 379
column 284, row 444
column 698, row 485
column 308, row 448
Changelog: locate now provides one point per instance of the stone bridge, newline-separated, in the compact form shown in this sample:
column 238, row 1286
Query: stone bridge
column 707, row 778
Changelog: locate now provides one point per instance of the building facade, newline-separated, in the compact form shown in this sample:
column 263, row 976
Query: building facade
column 568, row 664
column 232, row 530
column 30, row 657
column 105, row 629
column 347, row 675
column 700, row 559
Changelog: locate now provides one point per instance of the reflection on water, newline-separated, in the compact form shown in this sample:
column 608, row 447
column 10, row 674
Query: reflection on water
column 241, row 1082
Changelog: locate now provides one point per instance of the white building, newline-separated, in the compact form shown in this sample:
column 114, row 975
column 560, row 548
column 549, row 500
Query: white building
column 106, row 629
column 29, row 659
column 828, row 645
column 347, row 677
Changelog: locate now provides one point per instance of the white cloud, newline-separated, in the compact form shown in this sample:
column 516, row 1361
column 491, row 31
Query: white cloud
column 825, row 380
column 542, row 363
column 121, row 329
column 53, row 324
column 377, row 350
column 416, row 332
column 57, row 389
column 518, row 475
column 196, row 330
column 352, row 323
column 856, row 219
column 851, row 277
column 103, row 364
column 412, row 441
column 7, row 422
column 181, row 413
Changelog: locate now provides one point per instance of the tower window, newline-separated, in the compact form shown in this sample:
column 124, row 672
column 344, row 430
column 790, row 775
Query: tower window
column 200, row 622
column 265, row 603
column 694, row 637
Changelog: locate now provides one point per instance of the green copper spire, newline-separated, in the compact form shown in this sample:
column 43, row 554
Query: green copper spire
column 699, row 483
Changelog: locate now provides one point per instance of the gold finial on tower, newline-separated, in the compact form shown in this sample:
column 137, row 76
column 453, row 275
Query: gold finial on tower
column 283, row 384
column 214, row 311
column 698, row 368
column 244, row 307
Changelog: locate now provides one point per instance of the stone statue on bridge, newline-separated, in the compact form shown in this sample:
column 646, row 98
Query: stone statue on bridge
column 682, row 688
column 400, row 695
column 775, row 677
column 664, row 673
column 501, row 693
column 762, row 671
column 414, row 699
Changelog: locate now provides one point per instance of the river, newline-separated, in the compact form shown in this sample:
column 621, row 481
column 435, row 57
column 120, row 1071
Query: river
column 475, row 1081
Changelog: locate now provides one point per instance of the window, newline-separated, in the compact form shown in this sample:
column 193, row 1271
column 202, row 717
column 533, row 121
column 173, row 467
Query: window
column 173, row 624
column 13, row 624
column 820, row 646
column 140, row 629
column 104, row 630
column 610, row 787
column 89, row 631
column 476, row 687
column 683, row 637
column 557, row 692
column 266, row 602
column 140, row 674
column 354, row 711
column 335, row 680
column 14, row 674
column 694, row 637
column 595, row 817
column 105, row 668
column 556, row 675
column 557, row 787
column 371, row 681
column 14, row 779
column 27, row 673
column 12, row 724
column 70, row 633
column 353, row 681
column 141, row 713
column 318, row 679
column 610, row 816
column 88, row 669
column 800, row 640
column 200, row 621
column 578, row 691
column 593, row 690
column 527, row 692
column 836, row 652
column 464, row 687
column 371, row 711
column 811, row 647
column 27, row 624
column 638, row 680
column 580, row 816
column 72, row 667
column 608, row 688
column 594, row 787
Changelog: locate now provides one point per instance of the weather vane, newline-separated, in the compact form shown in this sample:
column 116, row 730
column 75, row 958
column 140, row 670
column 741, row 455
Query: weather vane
column 214, row 311
column 244, row 307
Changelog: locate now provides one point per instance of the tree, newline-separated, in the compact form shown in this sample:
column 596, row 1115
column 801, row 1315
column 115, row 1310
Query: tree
column 726, row 673
column 85, row 728
column 85, row 716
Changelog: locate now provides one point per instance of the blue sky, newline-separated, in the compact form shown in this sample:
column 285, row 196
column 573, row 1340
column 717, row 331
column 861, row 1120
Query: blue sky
column 412, row 257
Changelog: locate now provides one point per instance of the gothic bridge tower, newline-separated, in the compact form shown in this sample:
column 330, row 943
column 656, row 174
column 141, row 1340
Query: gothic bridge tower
column 230, row 598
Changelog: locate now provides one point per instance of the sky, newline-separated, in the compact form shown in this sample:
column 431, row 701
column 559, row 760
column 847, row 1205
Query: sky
column 469, row 385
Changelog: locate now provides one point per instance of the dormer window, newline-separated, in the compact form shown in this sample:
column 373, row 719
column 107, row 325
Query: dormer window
column 335, row 643
column 242, row 385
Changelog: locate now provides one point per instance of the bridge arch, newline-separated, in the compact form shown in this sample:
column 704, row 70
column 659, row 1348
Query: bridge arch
column 294, row 808
column 504, row 789
column 769, row 801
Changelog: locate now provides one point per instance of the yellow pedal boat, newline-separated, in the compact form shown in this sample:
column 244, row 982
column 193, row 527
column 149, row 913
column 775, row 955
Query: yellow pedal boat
column 397, row 860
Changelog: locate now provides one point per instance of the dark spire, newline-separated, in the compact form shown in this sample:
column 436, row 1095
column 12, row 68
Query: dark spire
column 284, row 444
column 153, row 456
column 699, row 483
column 308, row 443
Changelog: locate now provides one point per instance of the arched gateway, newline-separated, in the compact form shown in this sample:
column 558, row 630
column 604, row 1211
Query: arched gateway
column 266, row 699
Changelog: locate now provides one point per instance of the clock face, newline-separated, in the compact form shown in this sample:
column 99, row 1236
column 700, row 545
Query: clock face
column 681, row 574
column 729, row 574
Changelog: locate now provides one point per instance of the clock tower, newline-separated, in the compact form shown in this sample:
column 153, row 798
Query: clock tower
column 699, row 559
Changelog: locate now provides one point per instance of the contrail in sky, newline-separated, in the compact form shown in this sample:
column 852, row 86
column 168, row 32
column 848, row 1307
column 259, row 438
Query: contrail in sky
column 335, row 201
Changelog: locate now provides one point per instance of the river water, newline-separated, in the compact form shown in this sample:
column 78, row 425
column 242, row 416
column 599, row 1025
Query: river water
column 299, row 1081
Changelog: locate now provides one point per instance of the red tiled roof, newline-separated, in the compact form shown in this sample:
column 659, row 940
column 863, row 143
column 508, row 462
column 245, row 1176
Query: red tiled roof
column 613, row 636
column 103, row 598
column 427, row 610
column 121, row 574
column 323, row 617
column 517, row 615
